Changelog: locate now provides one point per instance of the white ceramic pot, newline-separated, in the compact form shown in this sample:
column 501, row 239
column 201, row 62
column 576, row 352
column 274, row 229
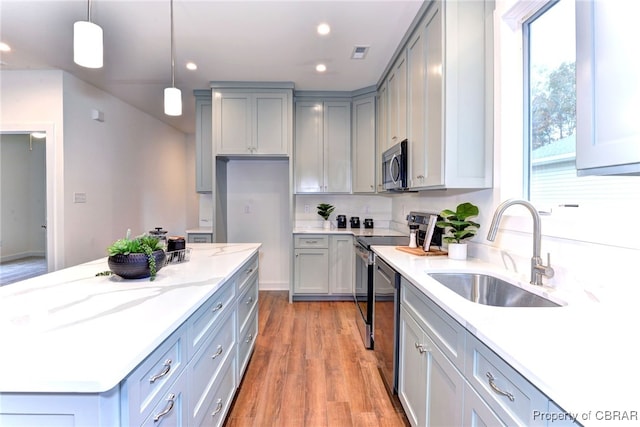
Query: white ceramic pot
column 327, row 225
column 457, row 251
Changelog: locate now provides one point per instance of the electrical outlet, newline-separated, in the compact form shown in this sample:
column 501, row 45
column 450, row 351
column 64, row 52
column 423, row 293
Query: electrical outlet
column 307, row 208
column 366, row 209
column 79, row 197
column 247, row 209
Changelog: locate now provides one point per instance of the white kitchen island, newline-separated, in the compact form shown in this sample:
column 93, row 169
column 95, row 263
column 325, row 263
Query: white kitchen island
column 86, row 350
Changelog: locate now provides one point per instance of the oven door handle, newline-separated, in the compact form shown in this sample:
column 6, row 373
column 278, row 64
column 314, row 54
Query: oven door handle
column 363, row 254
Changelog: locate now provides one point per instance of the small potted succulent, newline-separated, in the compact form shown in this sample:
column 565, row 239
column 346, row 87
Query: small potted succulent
column 136, row 258
column 458, row 228
column 324, row 210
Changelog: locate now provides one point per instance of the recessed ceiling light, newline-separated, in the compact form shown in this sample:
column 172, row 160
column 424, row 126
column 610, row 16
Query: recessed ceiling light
column 4, row 47
column 192, row 66
column 324, row 29
column 321, row 68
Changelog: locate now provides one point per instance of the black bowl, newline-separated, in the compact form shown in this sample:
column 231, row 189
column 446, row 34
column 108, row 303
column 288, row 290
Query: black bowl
column 134, row 266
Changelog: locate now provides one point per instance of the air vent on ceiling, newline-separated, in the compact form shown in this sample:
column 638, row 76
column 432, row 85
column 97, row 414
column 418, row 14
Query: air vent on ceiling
column 359, row 52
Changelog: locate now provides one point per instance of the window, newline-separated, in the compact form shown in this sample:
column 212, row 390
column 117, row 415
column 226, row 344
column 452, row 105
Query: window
column 550, row 109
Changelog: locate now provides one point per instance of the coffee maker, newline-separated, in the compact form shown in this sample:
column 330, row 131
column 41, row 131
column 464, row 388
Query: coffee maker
column 341, row 221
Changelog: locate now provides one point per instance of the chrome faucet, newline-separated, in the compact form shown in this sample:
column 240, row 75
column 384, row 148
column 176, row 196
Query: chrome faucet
column 538, row 269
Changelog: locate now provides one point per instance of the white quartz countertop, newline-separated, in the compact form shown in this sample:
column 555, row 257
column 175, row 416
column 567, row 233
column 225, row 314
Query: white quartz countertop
column 73, row 331
column 348, row 230
column 583, row 355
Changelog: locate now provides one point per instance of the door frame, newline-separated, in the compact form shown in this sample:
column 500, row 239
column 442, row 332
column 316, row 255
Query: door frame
column 54, row 188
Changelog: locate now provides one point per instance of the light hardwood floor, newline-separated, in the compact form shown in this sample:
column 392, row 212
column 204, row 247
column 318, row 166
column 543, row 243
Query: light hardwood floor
column 310, row 368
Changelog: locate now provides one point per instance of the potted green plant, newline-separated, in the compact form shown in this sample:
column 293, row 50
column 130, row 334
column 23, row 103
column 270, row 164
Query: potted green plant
column 136, row 258
column 324, row 210
column 458, row 227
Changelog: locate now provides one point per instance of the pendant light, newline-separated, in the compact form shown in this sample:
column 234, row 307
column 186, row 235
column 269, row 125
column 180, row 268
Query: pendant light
column 87, row 42
column 172, row 95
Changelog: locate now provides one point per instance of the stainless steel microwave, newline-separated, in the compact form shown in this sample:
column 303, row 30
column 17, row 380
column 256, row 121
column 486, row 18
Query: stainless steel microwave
column 395, row 167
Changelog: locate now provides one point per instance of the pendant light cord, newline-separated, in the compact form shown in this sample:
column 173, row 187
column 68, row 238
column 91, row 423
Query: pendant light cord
column 89, row 10
column 173, row 83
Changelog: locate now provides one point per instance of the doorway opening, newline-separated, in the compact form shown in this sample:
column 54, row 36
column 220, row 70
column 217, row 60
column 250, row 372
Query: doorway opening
column 23, row 206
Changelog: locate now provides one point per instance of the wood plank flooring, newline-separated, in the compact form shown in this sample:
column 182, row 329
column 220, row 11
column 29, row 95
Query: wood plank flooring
column 310, row 368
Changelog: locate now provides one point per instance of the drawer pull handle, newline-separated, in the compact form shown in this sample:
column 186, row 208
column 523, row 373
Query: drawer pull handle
column 165, row 371
column 250, row 300
column 249, row 338
column 217, row 307
column 311, row 242
column 217, row 353
column 497, row 389
column 249, row 270
column 218, row 408
column 171, row 401
column 422, row 348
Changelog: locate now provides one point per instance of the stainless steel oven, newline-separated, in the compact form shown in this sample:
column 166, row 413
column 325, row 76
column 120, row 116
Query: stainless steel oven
column 363, row 294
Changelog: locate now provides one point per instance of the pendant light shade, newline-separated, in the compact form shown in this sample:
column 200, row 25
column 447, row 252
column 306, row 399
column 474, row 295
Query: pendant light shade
column 87, row 42
column 172, row 95
column 172, row 101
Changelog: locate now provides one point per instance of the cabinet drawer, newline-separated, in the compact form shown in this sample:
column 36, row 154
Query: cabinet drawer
column 447, row 333
column 247, row 340
column 171, row 409
column 247, row 301
column 513, row 399
column 200, row 237
column 311, row 241
column 218, row 401
column 204, row 367
column 148, row 383
column 246, row 273
column 204, row 320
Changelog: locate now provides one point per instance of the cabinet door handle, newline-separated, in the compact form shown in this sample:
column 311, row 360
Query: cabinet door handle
column 422, row 348
column 218, row 408
column 249, row 338
column 171, row 401
column 217, row 307
column 165, row 371
column 497, row 389
column 249, row 301
column 217, row 353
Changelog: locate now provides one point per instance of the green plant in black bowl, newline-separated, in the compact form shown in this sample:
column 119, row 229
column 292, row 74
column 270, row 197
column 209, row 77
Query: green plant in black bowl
column 136, row 258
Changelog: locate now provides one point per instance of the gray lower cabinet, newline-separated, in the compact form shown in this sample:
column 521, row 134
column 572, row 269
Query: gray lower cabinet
column 323, row 265
column 431, row 386
column 447, row 376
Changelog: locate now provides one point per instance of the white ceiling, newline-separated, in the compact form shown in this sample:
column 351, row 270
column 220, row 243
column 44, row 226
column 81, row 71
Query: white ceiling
column 229, row 40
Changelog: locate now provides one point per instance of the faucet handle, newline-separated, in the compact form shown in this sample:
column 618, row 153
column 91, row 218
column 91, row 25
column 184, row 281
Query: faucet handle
column 548, row 270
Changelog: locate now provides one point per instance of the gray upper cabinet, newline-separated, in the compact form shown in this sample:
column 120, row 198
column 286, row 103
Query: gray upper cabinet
column 448, row 91
column 204, row 142
column 250, row 121
column 608, row 89
column 363, row 143
column 322, row 158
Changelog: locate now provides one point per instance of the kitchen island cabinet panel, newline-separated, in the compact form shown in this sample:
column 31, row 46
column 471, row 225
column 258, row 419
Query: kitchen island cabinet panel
column 148, row 384
column 97, row 378
column 171, row 410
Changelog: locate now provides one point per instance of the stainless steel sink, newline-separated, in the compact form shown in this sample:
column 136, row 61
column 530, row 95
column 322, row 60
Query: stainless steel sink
column 489, row 290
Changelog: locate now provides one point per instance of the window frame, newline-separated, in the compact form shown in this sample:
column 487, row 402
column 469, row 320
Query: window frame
column 580, row 224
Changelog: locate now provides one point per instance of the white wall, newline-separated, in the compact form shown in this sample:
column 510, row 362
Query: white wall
column 258, row 211
column 132, row 167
